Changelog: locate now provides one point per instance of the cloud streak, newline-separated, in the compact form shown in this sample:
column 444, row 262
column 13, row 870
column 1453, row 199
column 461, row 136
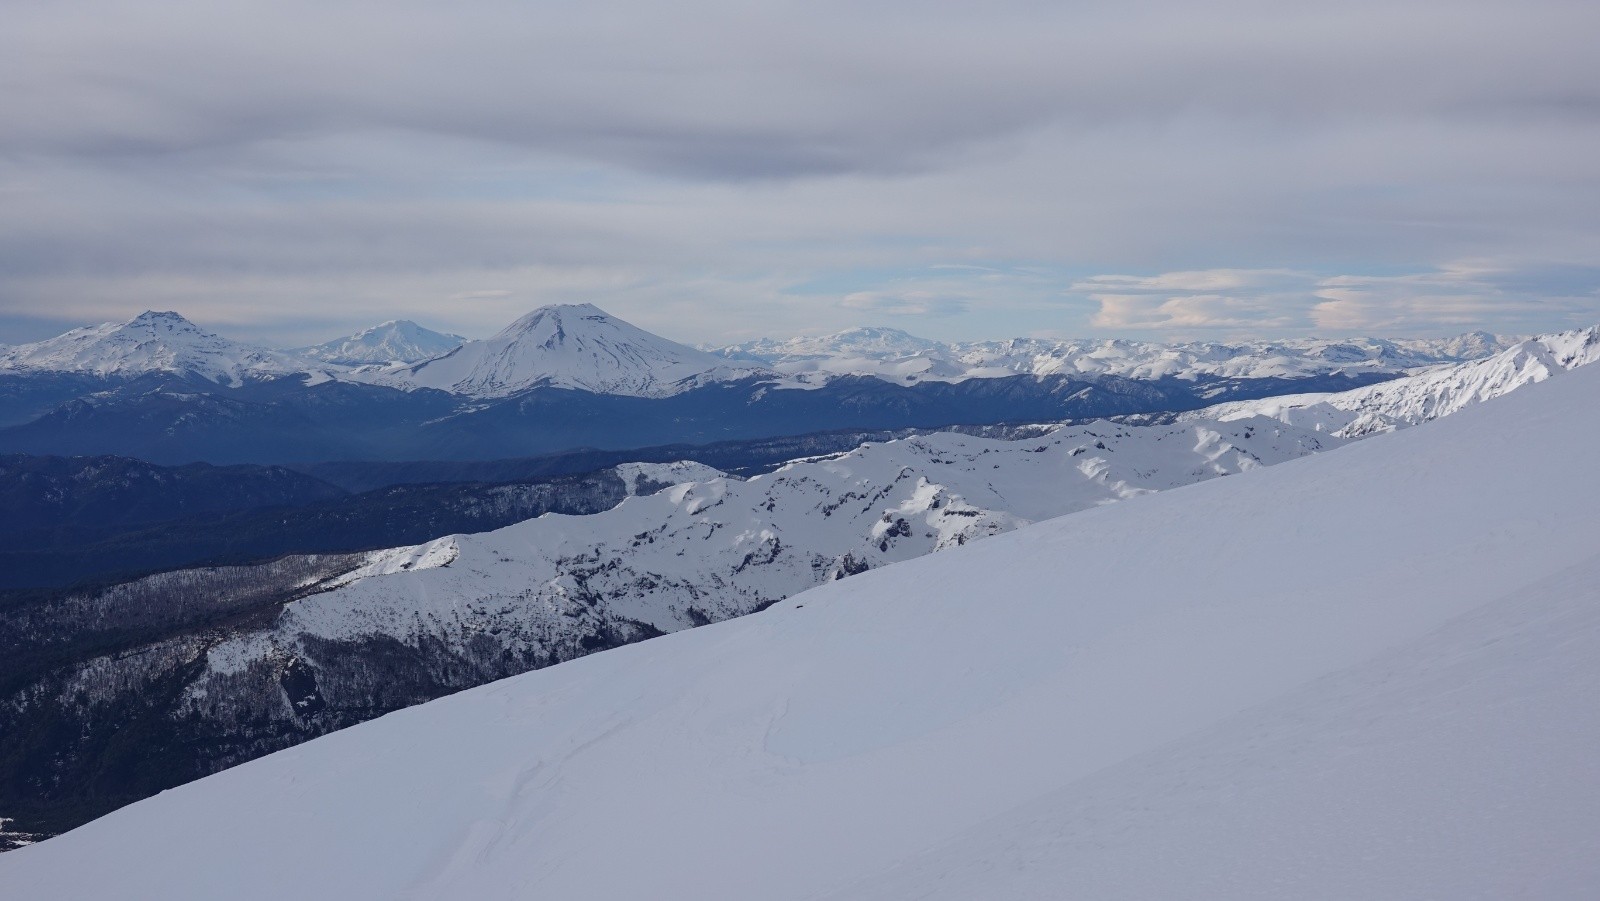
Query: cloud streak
column 1457, row 297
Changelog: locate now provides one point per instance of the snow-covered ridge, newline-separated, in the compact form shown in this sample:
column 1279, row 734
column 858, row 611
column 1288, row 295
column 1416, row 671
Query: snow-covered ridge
column 719, row 547
column 1385, row 655
column 569, row 346
column 150, row 342
column 900, row 357
column 1425, row 396
column 395, row 341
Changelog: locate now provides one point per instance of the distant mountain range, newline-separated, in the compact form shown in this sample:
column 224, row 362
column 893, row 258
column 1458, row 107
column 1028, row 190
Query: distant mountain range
column 580, row 346
column 900, row 357
column 561, row 378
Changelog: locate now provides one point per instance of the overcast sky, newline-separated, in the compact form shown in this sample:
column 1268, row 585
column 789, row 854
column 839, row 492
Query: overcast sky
column 288, row 171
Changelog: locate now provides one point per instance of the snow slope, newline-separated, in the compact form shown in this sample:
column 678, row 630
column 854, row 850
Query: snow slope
column 150, row 342
column 1370, row 673
column 569, row 346
column 1425, row 396
column 395, row 341
column 900, row 357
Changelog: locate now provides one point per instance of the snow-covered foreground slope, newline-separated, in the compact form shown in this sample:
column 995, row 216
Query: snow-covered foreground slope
column 395, row 341
column 150, row 342
column 1425, row 396
column 899, row 357
column 569, row 346
column 1370, row 673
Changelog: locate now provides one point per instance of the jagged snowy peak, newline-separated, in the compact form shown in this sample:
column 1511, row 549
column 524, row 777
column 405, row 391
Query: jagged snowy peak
column 150, row 342
column 395, row 341
column 1426, row 396
column 569, row 346
column 1367, row 674
column 898, row 357
column 718, row 548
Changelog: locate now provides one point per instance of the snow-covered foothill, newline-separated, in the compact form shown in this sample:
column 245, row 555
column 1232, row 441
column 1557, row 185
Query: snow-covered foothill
column 1370, row 673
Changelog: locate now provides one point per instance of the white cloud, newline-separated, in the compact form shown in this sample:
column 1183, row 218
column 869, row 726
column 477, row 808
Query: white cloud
column 1202, row 280
column 1120, row 312
column 1454, row 297
column 906, row 303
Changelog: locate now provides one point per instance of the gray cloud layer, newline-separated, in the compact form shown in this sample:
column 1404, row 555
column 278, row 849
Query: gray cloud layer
column 732, row 168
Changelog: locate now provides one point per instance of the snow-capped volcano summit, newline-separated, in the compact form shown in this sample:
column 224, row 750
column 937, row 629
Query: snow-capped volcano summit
column 395, row 341
column 571, row 346
column 150, row 342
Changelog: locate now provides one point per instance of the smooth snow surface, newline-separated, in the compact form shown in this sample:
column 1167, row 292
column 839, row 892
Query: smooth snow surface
column 569, row 346
column 1370, row 673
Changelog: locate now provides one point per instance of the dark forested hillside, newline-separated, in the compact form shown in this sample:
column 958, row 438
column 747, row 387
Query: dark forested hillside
column 45, row 494
column 284, row 420
column 385, row 517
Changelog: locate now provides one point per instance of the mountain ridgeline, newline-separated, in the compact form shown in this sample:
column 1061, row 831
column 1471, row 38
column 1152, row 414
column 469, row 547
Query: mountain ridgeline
column 562, row 378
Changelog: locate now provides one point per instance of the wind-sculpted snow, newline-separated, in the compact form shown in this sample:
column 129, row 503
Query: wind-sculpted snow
column 905, row 359
column 1366, row 674
column 712, row 549
column 150, row 343
column 1426, row 396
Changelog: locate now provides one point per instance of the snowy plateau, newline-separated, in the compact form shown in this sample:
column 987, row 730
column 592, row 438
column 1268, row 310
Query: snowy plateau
column 1368, row 673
